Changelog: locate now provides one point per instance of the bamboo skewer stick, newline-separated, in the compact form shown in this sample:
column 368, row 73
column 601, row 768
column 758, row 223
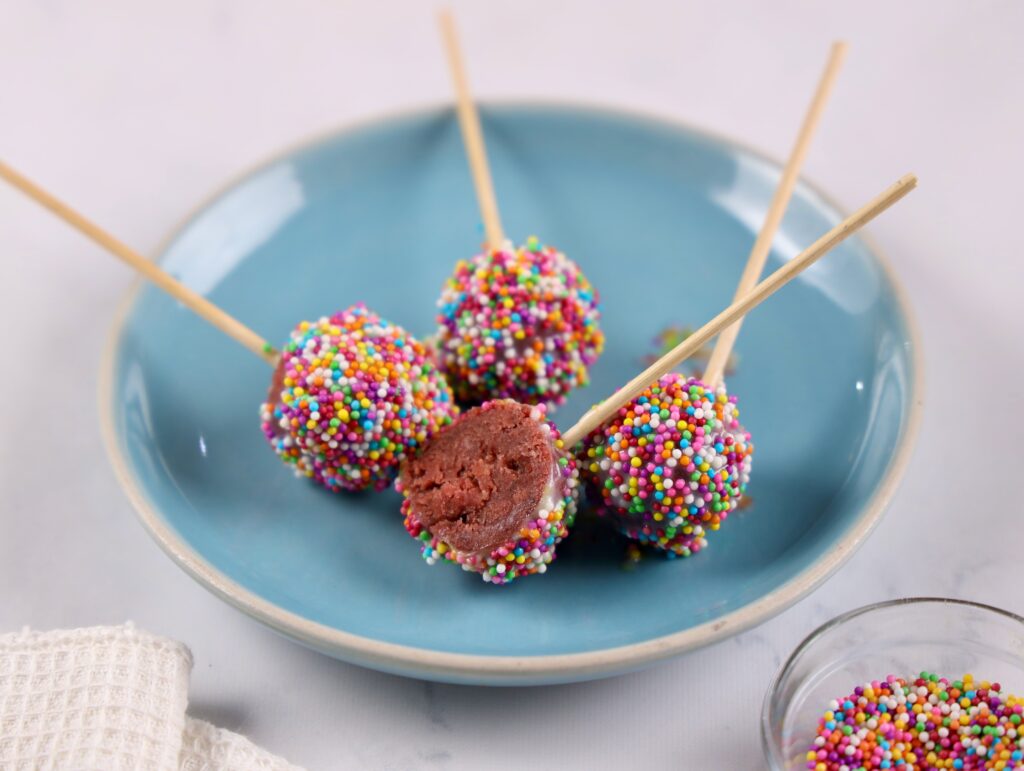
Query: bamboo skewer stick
column 602, row 412
column 192, row 300
column 472, row 134
column 780, row 200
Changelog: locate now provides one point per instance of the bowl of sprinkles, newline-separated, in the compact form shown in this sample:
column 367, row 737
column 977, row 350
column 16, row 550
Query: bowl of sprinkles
column 920, row 683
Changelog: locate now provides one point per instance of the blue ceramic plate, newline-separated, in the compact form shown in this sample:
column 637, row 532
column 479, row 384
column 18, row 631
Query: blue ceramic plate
column 661, row 218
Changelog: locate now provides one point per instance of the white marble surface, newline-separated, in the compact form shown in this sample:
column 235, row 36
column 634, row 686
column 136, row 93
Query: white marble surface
column 136, row 111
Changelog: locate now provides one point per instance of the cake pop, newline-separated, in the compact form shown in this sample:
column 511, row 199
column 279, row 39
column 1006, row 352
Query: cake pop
column 671, row 465
column 675, row 461
column 520, row 323
column 350, row 396
column 495, row 492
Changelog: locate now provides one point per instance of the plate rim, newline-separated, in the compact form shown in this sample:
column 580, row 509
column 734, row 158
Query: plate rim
column 506, row 669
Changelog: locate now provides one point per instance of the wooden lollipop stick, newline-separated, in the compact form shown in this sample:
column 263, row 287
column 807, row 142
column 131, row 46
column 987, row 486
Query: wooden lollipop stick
column 602, row 412
column 472, row 134
column 780, row 200
column 194, row 301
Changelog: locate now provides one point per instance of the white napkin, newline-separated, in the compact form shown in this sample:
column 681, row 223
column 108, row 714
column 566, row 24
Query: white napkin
column 105, row 699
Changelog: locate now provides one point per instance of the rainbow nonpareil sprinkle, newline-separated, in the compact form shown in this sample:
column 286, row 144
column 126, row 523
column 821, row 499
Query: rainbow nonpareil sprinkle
column 520, row 324
column 531, row 548
column 671, row 465
column 352, row 394
column 923, row 723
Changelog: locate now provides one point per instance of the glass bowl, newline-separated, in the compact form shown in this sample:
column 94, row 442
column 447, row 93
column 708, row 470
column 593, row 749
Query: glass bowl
column 901, row 637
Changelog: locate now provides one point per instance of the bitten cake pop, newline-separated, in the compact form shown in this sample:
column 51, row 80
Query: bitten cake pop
column 520, row 323
column 494, row 491
column 351, row 395
column 675, row 461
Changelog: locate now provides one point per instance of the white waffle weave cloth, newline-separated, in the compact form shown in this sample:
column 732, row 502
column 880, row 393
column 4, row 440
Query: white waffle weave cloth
column 109, row 699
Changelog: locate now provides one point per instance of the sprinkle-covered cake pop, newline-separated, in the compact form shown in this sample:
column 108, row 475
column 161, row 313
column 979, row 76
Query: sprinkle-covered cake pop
column 519, row 324
column 671, row 465
column 350, row 396
column 494, row 492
